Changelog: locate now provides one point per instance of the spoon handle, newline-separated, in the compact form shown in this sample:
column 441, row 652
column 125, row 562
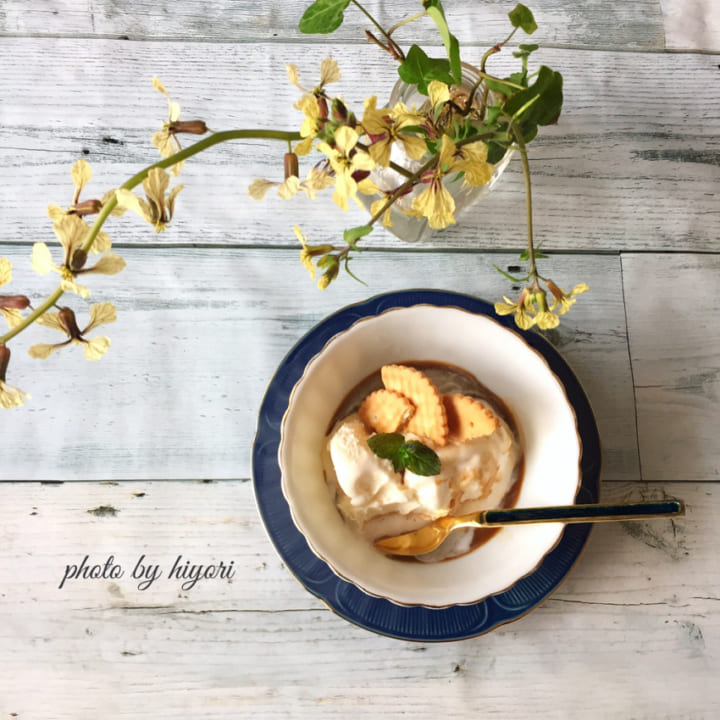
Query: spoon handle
column 581, row 513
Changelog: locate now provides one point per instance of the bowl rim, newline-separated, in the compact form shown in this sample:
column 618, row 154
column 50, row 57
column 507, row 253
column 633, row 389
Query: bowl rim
column 282, row 443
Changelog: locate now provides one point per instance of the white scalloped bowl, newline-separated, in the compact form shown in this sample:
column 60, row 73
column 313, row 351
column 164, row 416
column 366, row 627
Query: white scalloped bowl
column 503, row 362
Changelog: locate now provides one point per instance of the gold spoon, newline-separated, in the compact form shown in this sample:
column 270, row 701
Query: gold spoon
column 426, row 539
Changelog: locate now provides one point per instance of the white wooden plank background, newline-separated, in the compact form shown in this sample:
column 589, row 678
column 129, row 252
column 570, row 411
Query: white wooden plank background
column 626, row 197
column 200, row 333
column 633, row 164
column 638, row 25
column 263, row 647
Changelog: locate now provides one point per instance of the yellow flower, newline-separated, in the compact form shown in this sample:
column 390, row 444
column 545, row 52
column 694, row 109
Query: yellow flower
column 72, row 232
column 313, row 103
column 309, row 252
column 158, row 208
column 472, row 160
column 10, row 397
column 317, row 179
column 345, row 160
column 435, row 202
column 438, row 92
column 10, row 305
column 81, row 174
column 65, row 322
column 384, row 127
column 165, row 140
column 329, row 73
column 565, row 300
column 368, row 187
column 312, row 123
column 523, row 319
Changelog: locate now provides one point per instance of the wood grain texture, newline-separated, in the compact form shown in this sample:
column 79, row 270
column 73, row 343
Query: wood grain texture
column 642, row 598
column 637, row 25
column 633, row 164
column 675, row 352
column 200, row 333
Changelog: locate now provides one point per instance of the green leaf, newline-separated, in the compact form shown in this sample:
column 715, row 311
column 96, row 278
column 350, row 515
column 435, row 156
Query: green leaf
column 323, row 16
column 548, row 95
column 496, row 153
column 500, row 86
column 413, row 455
column 386, row 445
column 420, row 459
column 352, row 234
column 418, row 69
column 508, row 275
column 452, row 46
column 521, row 17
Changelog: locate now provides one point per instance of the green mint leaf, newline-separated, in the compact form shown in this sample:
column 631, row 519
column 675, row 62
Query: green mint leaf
column 521, row 17
column 413, row 455
column 323, row 16
column 452, row 46
column 418, row 69
column 386, row 445
column 352, row 234
column 420, row 459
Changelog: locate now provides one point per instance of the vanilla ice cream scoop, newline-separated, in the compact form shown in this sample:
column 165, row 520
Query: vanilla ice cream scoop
column 378, row 501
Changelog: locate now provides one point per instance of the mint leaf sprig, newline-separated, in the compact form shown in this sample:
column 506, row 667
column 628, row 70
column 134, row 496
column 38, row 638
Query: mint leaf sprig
column 411, row 455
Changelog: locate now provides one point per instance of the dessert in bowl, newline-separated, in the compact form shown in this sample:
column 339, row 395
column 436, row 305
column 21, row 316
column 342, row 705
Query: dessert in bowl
column 535, row 440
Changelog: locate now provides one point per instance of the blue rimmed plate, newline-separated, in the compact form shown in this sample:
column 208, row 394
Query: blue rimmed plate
column 376, row 614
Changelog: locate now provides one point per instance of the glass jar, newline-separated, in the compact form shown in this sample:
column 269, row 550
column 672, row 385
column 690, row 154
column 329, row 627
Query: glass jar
column 407, row 227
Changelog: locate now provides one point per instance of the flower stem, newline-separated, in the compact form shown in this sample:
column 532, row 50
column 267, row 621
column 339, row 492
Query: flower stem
column 109, row 206
column 391, row 43
column 517, row 133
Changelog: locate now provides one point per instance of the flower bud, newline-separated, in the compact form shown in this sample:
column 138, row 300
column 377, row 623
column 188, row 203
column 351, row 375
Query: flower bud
column 292, row 168
column 67, row 319
column 322, row 107
column 4, row 360
column 78, row 259
column 86, row 207
column 360, row 175
column 14, row 302
column 339, row 110
column 555, row 290
column 194, row 127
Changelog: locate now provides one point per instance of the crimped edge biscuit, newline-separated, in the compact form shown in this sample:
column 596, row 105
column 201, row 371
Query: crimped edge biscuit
column 386, row 411
column 430, row 418
column 467, row 417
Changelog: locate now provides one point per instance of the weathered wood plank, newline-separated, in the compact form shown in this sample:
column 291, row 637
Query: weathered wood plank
column 643, row 597
column 636, row 25
column 200, row 333
column 629, row 166
column 691, row 24
column 673, row 323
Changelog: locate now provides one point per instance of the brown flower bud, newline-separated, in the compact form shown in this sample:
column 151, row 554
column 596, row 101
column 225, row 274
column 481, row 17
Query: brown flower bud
column 78, row 259
column 4, row 360
column 15, row 302
column 555, row 290
column 194, row 127
column 339, row 110
column 292, row 168
column 86, row 207
column 67, row 318
column 360, row 175
column 323, row 107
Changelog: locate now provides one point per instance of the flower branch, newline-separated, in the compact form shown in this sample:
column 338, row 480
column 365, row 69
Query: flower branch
column 396, row 161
